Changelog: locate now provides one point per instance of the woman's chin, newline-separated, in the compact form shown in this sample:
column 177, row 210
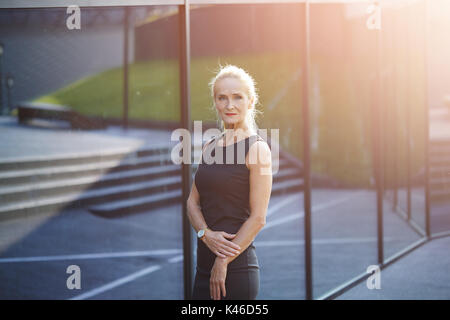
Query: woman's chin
column 229, row 124
column 233, row 124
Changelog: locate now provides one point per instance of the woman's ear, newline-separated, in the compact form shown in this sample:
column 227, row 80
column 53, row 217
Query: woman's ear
column 251, row 102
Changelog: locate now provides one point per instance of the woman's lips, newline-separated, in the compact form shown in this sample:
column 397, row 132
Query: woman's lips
column 231, row 114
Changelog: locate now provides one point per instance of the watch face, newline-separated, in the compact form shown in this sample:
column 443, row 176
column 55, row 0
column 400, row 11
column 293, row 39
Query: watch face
column 201, row 233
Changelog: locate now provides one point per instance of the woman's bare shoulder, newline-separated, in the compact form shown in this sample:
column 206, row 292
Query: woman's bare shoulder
column 259, row 154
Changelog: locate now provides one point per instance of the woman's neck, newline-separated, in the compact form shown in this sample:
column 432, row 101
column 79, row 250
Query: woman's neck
column 236, row 132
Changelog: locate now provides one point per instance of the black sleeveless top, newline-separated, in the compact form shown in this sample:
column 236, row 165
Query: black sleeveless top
column 224, row 187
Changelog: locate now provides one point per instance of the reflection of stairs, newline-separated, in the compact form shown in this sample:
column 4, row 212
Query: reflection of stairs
column 289, row 177
column 95, row 181
column 440, row 170
column 108, row 184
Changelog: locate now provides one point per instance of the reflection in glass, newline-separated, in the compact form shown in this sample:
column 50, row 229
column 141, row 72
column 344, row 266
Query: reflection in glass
column 106, row 200
column 344, row 194
column 403, row 52
column 438, row 55
column 265, row 40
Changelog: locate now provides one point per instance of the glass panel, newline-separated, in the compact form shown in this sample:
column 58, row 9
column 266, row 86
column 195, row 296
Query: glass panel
column 265, row 40
column 84, row 203
column 403, row 64
column 439, row 101
column 418, row 114
column 342, row 106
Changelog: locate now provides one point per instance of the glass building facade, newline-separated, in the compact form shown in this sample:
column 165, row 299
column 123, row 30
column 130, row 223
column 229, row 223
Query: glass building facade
column 353, row 87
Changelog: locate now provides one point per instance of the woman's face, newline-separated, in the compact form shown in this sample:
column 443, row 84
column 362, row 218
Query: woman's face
column 232, row 102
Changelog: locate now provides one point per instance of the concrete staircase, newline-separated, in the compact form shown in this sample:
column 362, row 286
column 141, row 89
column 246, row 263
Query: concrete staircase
column 440, row 170
column 108, row 184
column 51, row 184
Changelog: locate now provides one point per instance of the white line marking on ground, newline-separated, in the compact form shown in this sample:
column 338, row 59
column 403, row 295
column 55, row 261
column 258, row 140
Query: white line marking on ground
column 126, row 279
column 176, row 259
column 277, row 206
column 179, row 258
column 315, row 208
column 279, row 221
column 94, row 256
column 269, row 225
column 418, row 197
column 117, row 283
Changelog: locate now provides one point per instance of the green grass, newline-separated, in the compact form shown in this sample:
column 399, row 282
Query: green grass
column 154, row 87
column 153, row 93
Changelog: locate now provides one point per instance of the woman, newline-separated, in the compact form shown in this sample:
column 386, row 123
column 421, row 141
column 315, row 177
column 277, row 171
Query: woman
column 228, row 201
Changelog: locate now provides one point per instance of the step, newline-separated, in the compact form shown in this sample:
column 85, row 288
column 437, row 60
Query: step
column 26, row 176
column 50, row 188
column 79, row 170
column 440, row 195
column 438, row 161
column 440, row 171
column 285, row 174
column 77, row 199
column 143, row 162
column 60, row 160
column 116, row 197
column 439, row 152
column 283, row 163
column 135, row 205
column 439, row 149
column 135, row 189
column 117, row 154
column 438, row 144
column 441, row 178
column 136, row 175
column 154, row 150
column 287, row 186
column 437, row 183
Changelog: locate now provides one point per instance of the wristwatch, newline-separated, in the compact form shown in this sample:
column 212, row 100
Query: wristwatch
column 201, row 233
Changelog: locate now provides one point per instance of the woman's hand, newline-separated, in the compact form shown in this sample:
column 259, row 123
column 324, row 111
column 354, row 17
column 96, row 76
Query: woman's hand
column 217, row 242
column 217, row 279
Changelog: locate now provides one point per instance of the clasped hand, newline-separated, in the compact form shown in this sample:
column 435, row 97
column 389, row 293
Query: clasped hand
column 218, row 243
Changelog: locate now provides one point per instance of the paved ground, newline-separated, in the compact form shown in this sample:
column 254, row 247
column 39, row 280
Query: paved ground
column 139, row 256
column 21, row 141
column 419, row 275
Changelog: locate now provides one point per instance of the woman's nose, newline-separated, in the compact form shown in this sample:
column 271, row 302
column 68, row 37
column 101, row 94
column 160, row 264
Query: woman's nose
column 230, row 104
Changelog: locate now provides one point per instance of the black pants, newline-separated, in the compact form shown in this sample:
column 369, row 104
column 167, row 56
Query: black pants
column 239, row 285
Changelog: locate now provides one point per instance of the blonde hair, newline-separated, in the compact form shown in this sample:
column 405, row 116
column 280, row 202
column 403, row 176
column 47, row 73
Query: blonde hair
column 232, row 71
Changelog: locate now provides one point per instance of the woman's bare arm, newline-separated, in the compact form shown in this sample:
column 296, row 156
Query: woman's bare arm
column 193, row 209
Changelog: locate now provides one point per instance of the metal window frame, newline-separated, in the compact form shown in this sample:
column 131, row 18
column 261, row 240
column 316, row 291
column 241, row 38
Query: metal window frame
column 185, row 111
column 131, row 3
